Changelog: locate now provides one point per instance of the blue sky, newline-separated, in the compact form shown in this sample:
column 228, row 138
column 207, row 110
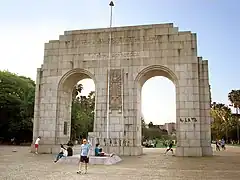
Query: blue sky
column 27, row 24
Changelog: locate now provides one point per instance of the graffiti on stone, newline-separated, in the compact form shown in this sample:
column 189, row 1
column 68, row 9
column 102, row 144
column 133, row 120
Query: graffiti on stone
column 188, row 120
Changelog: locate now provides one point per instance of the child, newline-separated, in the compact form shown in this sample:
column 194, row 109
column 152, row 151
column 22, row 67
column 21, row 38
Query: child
column 37, row 144
column 61, row 153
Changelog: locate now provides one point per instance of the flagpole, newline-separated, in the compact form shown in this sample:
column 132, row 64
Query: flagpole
column 111, row 4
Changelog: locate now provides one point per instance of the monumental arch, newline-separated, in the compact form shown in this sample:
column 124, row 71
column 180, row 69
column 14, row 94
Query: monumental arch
column 136, row 54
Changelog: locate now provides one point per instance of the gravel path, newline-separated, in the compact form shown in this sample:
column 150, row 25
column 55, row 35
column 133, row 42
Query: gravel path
column 22, row 165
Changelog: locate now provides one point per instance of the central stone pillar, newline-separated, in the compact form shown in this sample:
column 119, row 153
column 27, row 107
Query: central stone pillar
column 121, row 134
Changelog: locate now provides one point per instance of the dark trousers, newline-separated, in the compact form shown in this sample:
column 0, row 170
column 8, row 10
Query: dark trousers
column 59, row 156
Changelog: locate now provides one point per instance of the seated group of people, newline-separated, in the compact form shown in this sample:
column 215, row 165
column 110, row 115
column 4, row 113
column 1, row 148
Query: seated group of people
column 64, row 152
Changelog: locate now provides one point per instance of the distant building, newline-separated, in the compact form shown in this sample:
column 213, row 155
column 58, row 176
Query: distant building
column 169, row 127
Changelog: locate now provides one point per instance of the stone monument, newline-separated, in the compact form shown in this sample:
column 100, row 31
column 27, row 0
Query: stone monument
column 137, row 54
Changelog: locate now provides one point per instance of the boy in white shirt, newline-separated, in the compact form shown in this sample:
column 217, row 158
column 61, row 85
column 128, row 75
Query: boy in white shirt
column 37, row 144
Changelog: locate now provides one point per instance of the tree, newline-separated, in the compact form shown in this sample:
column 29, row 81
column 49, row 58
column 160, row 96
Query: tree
column 234, row 98
column 152, row 132
column 150, row 125
column 16, row 106
column 222, row 120
column 82, row 118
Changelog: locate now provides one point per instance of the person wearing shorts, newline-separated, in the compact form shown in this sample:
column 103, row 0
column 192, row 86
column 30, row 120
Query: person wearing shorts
column 84, row 156
column 37, row 144
column 169, row 147
column 223, row 144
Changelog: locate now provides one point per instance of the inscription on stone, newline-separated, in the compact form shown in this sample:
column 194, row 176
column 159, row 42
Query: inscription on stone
column 115, row 89
column 116, row 41
column 190, row 119
column 95, row 56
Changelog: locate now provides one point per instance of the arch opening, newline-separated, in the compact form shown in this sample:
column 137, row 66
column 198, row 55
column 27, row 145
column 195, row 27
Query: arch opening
column 157, row 105
column 76, row 106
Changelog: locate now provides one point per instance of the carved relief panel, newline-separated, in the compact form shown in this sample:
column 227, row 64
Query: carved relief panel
column 115, row 89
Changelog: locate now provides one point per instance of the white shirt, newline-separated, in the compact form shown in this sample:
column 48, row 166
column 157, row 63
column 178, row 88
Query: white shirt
column 37, row 141
column 65, row 152
column 62, row 150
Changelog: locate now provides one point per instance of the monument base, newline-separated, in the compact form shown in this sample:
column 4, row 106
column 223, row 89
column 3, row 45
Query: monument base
column 121, row 151
column 194, row 151
column 96, row 160
column 207, row 151
column 124, row 151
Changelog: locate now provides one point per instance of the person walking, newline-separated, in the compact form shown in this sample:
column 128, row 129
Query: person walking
column 217, row 145
column 223, row 144
column 37, row 144
column 169, row 147
column 84, row 156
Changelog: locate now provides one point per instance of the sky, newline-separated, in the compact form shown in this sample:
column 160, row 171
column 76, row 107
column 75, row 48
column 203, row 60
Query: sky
column 27, row 24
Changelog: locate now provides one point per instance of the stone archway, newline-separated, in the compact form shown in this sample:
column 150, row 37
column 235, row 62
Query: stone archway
column 188, row 120
column 136, row 51
column 144, row 75
column 64, row 102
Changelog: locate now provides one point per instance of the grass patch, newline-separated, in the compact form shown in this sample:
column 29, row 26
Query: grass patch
column 162, row 146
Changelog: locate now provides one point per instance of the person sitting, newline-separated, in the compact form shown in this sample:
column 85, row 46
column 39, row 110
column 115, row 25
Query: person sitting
column 70, row 143
column 99, row 152
column 61, row 153
column 69, row 151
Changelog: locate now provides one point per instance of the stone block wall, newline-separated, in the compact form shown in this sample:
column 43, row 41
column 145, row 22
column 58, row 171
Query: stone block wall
column 137, row 54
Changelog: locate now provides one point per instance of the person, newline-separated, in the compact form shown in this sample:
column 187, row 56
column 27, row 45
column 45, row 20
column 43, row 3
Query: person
column 98, row 151
column 69, row 149
column 217, row 146
column 70, row 143
column 223, row 144
column 169, row 147
column 13, row 141
column 61, row 153
column 84, row 156
column 37, row 144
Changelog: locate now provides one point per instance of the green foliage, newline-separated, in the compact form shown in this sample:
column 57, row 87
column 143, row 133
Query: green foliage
column 82, row 119
column 225, row 123
column 16, row 106
column 234, row 98
column 222, row 120
column 152, row 132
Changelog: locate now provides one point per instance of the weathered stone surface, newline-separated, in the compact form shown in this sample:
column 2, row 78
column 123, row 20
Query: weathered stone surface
column 74, row 160
column 138, row 53
column 115, row 89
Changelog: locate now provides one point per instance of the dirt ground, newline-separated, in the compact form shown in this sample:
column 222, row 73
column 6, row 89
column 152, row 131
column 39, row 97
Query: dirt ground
column 22, row 165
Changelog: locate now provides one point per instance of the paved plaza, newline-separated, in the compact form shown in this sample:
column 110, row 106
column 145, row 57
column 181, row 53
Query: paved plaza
column 22, row 165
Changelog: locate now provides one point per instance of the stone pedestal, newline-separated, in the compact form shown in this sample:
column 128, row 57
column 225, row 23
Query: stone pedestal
column 207, row 151
column 194, row 151
column 123, row 151
column 94, row 160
